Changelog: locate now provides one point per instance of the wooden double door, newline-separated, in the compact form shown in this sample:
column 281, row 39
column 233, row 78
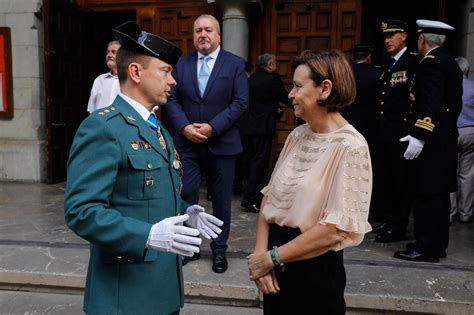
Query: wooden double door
column 306, row 25
column 75, row 49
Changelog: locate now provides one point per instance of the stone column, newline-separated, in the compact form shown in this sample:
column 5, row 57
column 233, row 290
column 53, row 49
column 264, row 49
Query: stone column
column 235, row 28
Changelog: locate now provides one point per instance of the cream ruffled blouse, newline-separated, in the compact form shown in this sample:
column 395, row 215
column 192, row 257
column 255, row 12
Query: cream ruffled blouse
column 322, row 178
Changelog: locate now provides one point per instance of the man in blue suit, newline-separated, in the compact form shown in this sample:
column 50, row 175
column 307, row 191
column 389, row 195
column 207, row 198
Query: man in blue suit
column 210, row 96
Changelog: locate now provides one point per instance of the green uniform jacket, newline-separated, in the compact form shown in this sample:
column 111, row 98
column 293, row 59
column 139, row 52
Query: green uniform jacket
column 120, row 182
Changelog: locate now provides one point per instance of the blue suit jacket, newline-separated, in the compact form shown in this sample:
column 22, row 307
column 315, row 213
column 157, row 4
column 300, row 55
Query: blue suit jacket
column 223, row 102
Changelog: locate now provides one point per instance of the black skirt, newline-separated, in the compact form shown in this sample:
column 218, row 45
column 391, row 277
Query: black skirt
column 312, row 286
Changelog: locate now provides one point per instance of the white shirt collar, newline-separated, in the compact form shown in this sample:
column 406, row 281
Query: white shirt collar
column 400, row 53
column 144, row 113
column 109, row 74
column 213, row 54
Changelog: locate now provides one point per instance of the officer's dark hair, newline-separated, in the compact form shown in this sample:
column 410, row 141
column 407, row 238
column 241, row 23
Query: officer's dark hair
column 330, row 65
column 126, row 56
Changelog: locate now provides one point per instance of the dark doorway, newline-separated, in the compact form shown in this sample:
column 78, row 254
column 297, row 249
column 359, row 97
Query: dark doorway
column 103, row 23
column 75, row 44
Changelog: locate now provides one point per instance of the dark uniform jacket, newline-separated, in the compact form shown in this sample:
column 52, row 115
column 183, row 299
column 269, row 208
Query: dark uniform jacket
column 265, row 91
column 362, row 113
column 438, row 91
column 395, row 105
column 121, row 182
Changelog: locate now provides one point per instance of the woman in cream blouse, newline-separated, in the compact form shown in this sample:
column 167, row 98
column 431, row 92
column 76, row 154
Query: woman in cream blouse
column 317, row 200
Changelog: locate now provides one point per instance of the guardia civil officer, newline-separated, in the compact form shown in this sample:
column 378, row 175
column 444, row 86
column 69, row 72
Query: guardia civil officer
column 127, row 203
column 391, row 201
column 432, row 143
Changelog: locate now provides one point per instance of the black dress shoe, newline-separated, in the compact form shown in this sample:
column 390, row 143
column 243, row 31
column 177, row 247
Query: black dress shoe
column 390, row 236
column 413, row 255
column 379, row 227
column 413, row 246
column 251, row 208
column 219, row 263
column 464, row 221
column 194, row 257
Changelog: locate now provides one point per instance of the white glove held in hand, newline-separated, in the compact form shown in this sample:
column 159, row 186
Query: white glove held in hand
column 169, row 235
column 208, row 225
column 414, row 147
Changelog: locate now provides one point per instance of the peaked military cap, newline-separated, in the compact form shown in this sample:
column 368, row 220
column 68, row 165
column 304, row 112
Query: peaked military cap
column 132, row 37
column 362, row 49
column 393, row 26
column 433, row 27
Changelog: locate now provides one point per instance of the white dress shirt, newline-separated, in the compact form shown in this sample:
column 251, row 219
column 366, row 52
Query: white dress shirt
column 104, row 90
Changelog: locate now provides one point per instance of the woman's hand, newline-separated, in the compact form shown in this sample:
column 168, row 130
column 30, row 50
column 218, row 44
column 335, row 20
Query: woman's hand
column 259, row 264
column 268, row 283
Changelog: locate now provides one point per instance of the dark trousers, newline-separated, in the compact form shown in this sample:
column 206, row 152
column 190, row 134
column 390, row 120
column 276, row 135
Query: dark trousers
column 259, row 150
column 431, row 215
column 391, row 201
column 220, row 174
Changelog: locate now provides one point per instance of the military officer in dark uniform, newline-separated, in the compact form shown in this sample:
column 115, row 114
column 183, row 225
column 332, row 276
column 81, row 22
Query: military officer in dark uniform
column 432, row 143
column 390, row 199
column 362, row 113
column 123, row 189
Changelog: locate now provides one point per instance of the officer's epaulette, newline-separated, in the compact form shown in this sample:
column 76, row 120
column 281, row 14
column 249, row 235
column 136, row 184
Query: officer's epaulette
column 107, row 112
column 427, row 57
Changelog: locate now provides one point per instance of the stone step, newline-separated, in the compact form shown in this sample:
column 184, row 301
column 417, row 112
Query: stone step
column 377, row 287
column 21, row 303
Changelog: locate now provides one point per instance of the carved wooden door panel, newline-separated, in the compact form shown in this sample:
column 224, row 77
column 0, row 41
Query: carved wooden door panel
column 173, row 22
column 308, row 25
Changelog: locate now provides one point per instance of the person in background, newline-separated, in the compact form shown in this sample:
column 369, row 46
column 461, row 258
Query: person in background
column 106, row 86
column 391, row 202
column 362, row 113
column 203, row 109
column 462, row 202
column 432, row 143
column 258, row 126
column 127, row 204
column 317, row 200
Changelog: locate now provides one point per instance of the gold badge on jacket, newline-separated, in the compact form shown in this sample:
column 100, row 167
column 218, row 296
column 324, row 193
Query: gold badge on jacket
column 398, row 77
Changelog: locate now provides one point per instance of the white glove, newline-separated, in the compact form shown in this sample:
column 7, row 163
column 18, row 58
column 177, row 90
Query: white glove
column 208, row 225
column 414, row 147
column 169, row 235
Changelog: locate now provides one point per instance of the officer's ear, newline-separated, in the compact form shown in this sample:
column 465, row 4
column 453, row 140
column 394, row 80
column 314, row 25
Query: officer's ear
column 134, row 71
column 404, row 36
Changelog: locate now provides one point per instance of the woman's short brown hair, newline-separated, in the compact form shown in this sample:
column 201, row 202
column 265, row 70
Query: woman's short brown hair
column 331, row 65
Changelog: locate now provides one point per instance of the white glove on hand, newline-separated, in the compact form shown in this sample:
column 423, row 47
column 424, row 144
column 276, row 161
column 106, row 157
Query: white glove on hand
column 414, row 147
column 169, row 235
column 208, row 225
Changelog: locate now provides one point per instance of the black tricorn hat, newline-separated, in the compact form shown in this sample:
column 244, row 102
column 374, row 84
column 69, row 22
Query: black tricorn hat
column 132, row 37
column 393, row 26
column 362, row 49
